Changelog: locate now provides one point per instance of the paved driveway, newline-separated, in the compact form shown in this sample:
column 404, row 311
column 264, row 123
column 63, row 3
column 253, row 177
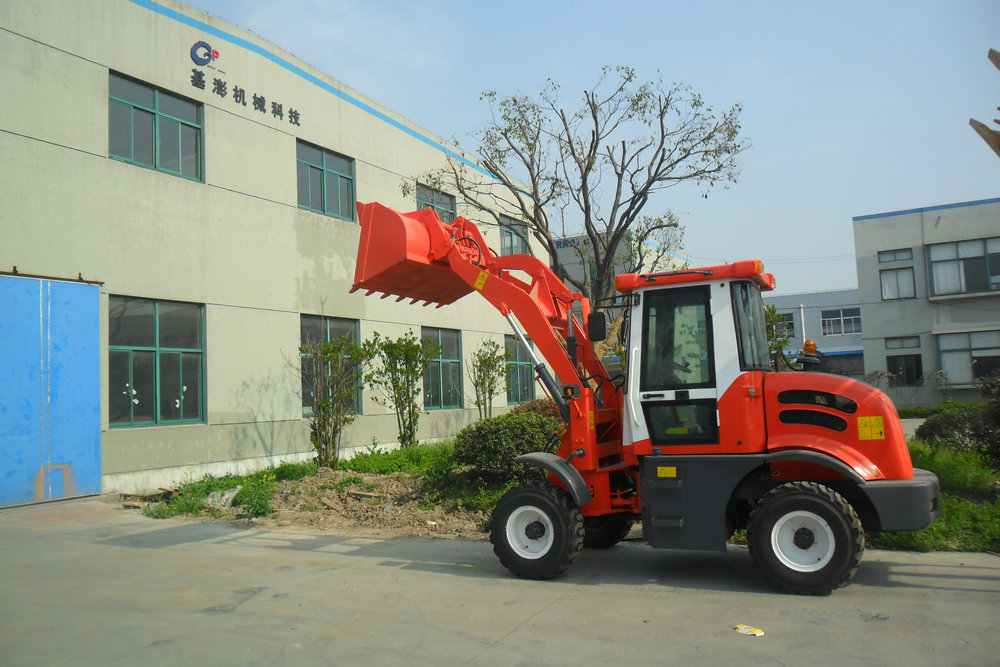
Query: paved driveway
column 84, row 583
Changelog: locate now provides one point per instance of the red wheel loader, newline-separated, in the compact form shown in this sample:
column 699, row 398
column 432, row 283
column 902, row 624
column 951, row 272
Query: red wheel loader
column 697, row 440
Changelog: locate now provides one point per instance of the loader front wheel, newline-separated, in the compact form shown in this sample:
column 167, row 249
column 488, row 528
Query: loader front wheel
column 536, row 531
column 806, row 538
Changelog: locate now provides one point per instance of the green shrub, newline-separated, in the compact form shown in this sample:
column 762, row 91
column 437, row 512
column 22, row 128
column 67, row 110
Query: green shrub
column 957, row 424
column 490, row 446
column 257, row 493
column 916, row 413
column 425, row 459
column 967, row 427
column 541, row 406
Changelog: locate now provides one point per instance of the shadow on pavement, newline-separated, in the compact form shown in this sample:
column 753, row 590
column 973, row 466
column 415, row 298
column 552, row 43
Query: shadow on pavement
column 631, row 563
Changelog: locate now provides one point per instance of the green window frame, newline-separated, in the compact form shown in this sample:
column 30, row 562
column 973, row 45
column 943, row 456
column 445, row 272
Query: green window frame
column 321, row 329
column 965, row 267
column 153, row 128
column 520, row 372
column 443, row 379
column 513, row 237
column 442, row 203
column 325, row 181
column 156, row 362
column 967, row 358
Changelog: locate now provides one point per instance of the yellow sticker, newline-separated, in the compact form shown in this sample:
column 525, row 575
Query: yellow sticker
column 871, row 428
column 481, row 280
column 666, row 471
column 593, row 425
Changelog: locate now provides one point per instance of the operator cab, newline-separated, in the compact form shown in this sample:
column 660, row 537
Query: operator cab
column 694, row 337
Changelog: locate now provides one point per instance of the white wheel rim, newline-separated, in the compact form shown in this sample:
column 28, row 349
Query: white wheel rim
column 815, row 545
column 518, row 524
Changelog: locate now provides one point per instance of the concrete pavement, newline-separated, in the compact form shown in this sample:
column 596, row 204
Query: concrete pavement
column 86, row 583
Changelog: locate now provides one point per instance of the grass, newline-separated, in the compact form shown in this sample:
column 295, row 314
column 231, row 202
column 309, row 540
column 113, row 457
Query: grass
column 970, row 504
column 436, row 464
column 255, row 496
column 970, row 492
column 431, row 460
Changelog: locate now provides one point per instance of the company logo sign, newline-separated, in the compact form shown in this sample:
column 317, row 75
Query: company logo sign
column 202, row 54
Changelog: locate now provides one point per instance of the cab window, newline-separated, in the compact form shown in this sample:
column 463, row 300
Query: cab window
column 751, row 335
column 677, row 340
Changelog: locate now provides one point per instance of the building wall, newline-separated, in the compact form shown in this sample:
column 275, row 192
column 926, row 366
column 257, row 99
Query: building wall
column 922, row 317
column 237, row 242
column 841, row 352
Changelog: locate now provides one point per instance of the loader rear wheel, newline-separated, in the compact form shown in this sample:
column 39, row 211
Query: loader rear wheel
column 806, row 538
column 603, row 532
column 536, row 531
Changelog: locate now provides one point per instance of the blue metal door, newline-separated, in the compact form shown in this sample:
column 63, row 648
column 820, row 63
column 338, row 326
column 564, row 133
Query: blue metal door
column 50, row 405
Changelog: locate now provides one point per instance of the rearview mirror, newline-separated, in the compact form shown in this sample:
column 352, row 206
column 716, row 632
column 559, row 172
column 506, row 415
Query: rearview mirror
column 597, row 327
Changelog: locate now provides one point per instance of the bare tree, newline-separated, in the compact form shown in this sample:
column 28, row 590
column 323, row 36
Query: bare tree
column 595, row 168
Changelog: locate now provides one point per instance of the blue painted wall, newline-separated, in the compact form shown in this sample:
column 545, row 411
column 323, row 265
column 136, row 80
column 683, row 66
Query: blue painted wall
column 50, row 406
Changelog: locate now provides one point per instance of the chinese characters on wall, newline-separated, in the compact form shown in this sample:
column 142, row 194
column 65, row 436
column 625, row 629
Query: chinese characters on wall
column 258, row 103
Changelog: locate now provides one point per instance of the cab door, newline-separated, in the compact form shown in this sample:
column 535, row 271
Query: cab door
column 674, row 395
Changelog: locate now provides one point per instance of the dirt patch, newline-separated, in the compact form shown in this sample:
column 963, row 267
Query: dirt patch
column 354, row 503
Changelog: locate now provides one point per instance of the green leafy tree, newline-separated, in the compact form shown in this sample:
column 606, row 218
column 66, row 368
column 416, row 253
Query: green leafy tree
column 333, row 373
column 397, row 375
column 487, row 372
column 777, row 339
column 595, row 168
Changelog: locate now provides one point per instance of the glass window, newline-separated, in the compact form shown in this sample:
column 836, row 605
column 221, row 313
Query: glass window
column 520, row 374
column 153, row 128
column 905, row 368
column 965, row 267
column 840, row 321
column 786, row 327
column 513, row 237
column 902, row 342
column 442, row 202
column 682, row 422
column 967, row 358
column 895, row 255
column 316, row 330
column 677, row 340
column 897, row 284
column 325, row 181
column 443, row 380
column 751, row 335
column 155, row 362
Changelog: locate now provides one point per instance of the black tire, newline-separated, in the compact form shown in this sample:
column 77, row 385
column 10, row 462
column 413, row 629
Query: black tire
column 806, row 538
column 536, row 531
column 603, row 532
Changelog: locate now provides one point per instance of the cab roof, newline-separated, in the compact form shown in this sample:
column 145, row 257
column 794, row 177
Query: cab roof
column 751, row 269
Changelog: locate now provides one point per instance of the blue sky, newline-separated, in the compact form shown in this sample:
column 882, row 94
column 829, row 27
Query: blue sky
column 852, row 108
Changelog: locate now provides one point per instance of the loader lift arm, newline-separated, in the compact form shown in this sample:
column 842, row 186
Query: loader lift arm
column 416, row 256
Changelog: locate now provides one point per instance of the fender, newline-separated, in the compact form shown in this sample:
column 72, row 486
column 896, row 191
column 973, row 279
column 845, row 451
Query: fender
column 564, row 472
column 825, row 460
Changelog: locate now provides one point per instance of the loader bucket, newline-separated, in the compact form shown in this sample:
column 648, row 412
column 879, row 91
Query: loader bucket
column 404, row 255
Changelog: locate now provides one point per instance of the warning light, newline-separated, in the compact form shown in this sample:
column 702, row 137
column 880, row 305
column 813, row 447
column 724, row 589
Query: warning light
column 809, row 347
